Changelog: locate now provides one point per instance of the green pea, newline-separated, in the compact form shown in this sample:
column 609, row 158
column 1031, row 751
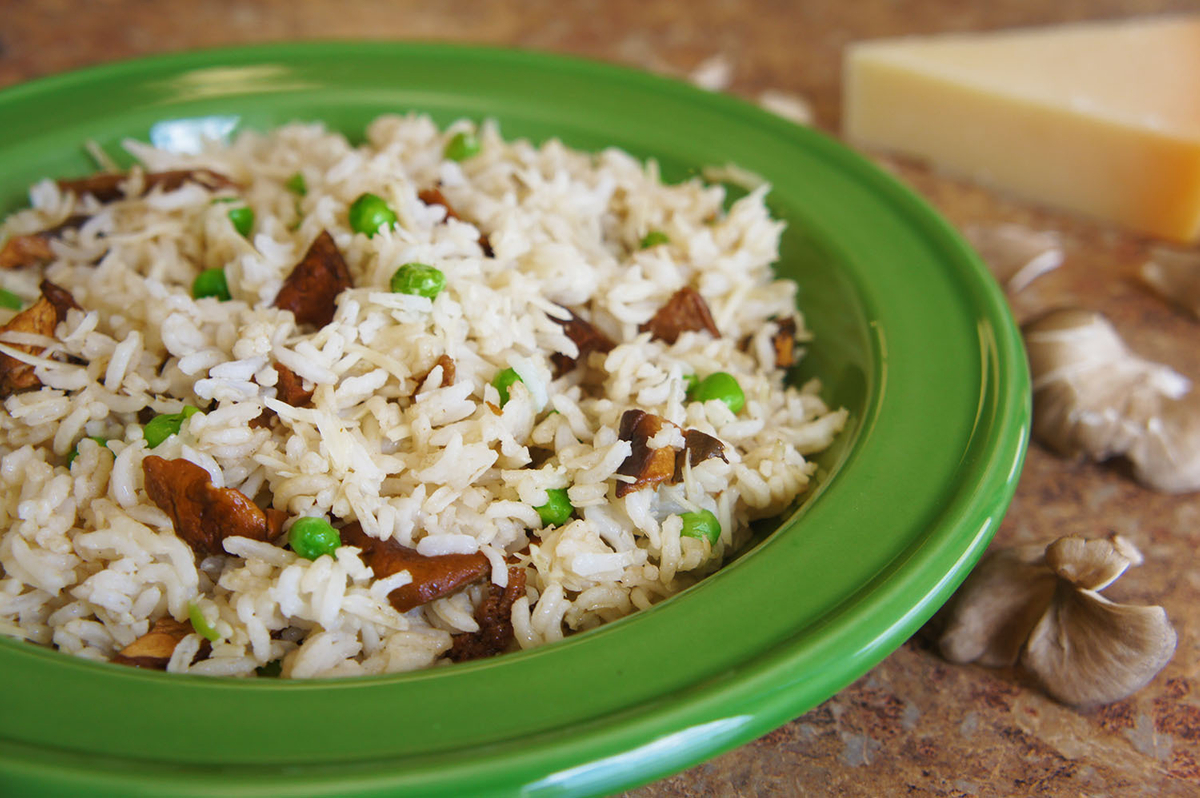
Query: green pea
column 201, row 624
column 690, row 381
column 75, row 452
column 503, row 381
column 654, row 238
column 720, row 386
column 418, row 279
column 161, row 427
column 463, row 145
column 243, row 219
column 312, row 537
column 701, row 525
column 557, row 508
column 10, row 300
column 370, row 213
column 211, row 282
column 297, row 184
column 272, row 670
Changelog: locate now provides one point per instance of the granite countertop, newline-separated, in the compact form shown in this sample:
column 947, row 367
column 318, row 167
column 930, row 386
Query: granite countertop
column 915, row 725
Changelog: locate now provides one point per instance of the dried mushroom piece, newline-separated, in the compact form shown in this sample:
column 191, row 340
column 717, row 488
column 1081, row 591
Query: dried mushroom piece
column 204, row 515
column 685, row 311
column 32, row 249
column 432, row 577
column 784, row 342
column 288, row 389
column 446, row 363
column 310, row 291
column 1044, row 611
column 494, row 616
column 1175, row 276
column 647, row 466
column 40, row 318
column 434, row 196
column 697, row 447
column 109, row 186
column 1094, row 397
column 587, row 339
column 154, row 649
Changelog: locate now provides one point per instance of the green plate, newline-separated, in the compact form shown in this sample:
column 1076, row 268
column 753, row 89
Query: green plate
column 913, row 336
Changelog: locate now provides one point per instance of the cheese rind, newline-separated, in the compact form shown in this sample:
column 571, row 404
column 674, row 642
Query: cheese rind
column 1099, row 118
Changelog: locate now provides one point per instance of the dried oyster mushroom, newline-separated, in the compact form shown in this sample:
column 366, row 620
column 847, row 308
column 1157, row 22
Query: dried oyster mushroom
column 1093, row 396
column 1045, row 612
column 1175, row 276
column 1015, row 254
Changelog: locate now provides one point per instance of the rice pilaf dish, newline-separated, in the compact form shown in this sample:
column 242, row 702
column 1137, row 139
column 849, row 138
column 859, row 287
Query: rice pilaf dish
column 292, row 406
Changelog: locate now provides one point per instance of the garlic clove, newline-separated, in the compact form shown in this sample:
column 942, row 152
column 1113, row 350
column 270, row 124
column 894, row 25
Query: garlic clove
column 1086, row 650
column 1174, row 276
column 1091, row 564
column 993, row 613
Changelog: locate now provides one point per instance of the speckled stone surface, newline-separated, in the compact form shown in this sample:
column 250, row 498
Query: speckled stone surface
column 915, row 725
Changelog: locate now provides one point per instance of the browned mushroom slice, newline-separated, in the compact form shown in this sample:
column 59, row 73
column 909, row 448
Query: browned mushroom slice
column 289, row 389
column 107, row 186
column 494, row 616
column 698, row 446
column 685, row 310
column 447, row 364
column 586, row 337
column 32, row 249
column 59, row 297
column 784, row 342
column 154, row 649
column 647, row 466
column 434, row 196
column 204, row 515
column 310, row 291
column 432, row 577
column 40, row 318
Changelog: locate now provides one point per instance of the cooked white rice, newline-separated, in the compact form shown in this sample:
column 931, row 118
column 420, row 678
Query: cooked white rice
column 89, row 562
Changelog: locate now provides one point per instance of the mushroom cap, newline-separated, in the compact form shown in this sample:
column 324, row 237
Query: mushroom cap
column 1016, row 255
column 991, row 616
column 1087, row 651
column 1166, row 456
column 1175, row 276
column 1091, row 564
column 1093, row 396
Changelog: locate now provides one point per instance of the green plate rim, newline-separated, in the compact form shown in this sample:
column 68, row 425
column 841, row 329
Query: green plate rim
column 626, row 746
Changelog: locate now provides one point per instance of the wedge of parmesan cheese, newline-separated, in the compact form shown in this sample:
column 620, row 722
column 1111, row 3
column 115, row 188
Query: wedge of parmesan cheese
column 1102, row 118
